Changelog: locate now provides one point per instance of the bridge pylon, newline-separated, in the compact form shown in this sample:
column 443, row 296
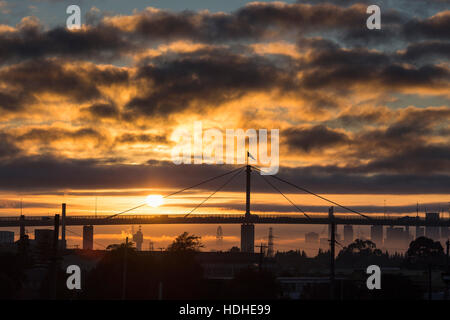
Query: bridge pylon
column 247, row 228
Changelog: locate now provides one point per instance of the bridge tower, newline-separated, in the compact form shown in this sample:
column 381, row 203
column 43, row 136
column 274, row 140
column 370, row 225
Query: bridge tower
column 219, row 236
column 247, row 228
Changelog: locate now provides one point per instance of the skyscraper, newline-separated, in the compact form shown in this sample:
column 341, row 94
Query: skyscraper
column 88, row 237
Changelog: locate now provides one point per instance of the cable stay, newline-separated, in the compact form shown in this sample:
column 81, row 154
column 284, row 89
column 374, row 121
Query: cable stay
column 316, row 195
column 217, row 190
column 179, row 191
column 292, row 203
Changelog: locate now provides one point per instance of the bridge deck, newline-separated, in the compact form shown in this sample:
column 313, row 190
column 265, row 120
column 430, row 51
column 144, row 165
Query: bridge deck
column 220, row 219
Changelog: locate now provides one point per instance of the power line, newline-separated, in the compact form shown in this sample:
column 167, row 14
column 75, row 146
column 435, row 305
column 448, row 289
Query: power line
column 209, row 197
column 319, row 196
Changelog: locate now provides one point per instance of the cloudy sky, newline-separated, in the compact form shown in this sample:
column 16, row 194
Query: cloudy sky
column 363, row 114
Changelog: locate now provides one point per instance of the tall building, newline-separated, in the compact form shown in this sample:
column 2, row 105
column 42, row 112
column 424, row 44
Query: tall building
column 312, row 238
column 6, row 237
column 348, row 234
column 219, row 236
column 420, row 232
column 270, row 250
column 247, row 237
column 432, row 232
column 324, row 244
column 138, row 238
column 376, row 235
column 43, row 237
column 397, row 237
column 445, row 232
column 88, row 237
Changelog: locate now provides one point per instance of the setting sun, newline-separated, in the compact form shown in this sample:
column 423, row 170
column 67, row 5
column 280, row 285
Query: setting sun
column 154, row 200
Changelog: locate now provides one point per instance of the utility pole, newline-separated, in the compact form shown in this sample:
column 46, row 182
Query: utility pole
column 63, row 226
column 261, row 255
column 429, row 282
column 54, row 269
column 124, row 275
column 332, row 250
column 446, row 260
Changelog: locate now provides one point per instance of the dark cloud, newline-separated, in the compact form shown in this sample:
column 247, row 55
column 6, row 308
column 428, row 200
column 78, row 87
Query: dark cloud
column 288, row 208
column 32, row 42
column 8, row 148
column 13, row 101
column 78, row 83
column 103, row 110
column 130, row 138
column 340, row 68
column 314, row 138
column 50, row 135
column 210, row 76
column 425, row 50
column 435, row 27
column 49, row 173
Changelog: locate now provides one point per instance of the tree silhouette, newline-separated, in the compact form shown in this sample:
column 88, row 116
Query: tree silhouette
column 186, row 242
column 424, row 250
column 361, row 247
column 424, row 247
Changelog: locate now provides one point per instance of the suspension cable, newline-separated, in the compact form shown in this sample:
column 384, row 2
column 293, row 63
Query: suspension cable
column 176, row 192
column 319, row 196
column 209, row 197
column 292, row 203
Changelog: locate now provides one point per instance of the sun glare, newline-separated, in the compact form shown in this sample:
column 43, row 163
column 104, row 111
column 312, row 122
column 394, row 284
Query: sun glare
column 154, row 200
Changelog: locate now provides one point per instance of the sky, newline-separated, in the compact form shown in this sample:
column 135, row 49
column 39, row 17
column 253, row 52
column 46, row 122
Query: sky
column 88, row 116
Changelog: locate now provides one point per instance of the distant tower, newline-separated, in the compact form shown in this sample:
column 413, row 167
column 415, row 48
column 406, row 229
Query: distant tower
column 270, row 244
column 88, row 237
column 151, row 245
column 138, row 237
column 219, row 236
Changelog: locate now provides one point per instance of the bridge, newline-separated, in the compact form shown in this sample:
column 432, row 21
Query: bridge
column 246, row 220
column 48, row 221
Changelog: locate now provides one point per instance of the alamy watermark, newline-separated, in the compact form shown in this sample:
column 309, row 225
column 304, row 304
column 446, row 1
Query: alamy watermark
column 207, row 146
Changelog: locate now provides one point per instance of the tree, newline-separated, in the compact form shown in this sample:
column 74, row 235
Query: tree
column 424, row 247
column 186, row 242
column 361, row 247
column 425, row 250
column 360, row 253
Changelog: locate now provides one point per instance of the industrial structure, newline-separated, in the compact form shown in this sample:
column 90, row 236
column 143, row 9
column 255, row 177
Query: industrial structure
column 138, row 238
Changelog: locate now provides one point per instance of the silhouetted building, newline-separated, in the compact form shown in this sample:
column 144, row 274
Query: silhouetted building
column 324, row 244
column 348, row 234
column 270, row 250
column 6, row 237
column 247, row 237
column 138, row 238
column 219, row 236
column 43, row 237
column 420, row 232
column 445, row 234
column 397, row 237
column 376, row 235
column 312, row 238
column 88, row 237
column 432, row 232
